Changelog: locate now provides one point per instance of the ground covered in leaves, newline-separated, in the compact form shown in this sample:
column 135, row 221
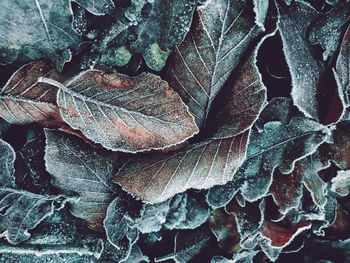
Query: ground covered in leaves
column 188, row 131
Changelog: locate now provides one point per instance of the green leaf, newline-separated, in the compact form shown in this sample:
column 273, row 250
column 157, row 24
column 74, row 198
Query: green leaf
column 39, row 29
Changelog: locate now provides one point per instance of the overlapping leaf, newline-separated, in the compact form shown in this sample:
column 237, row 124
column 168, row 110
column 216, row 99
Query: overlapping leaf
column 77, row 167
column 20, row 210
column 305, row 70
column 125, row 114
column 97, row 7
column 38, row 29
column 23, row 100
column 221, row 32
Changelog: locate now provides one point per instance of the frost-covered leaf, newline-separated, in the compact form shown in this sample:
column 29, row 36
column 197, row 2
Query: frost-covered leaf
column 123, row 113
column 224, row 227
column 23, row 100
column 339, row 149
column 177, row 212
column 188, row 243
column 163, row 21
column 305, row 70
column 39, row 29
column 341, row 183
column 279, row 145
column 20, row 210
column 155, row 57
column 342, row 67
column 156, row 177
column 279, row 235
column 221, row 32
column 79, row 168
column 260, row 9
column 328, row 29
column 97, row 7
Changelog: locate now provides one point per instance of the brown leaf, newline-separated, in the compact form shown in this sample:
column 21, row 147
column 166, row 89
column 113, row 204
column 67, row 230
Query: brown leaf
column 156, row 177
column 125, row 114
column 23, row 100
column 341, row 147
column 220, row 34
column 281, row 236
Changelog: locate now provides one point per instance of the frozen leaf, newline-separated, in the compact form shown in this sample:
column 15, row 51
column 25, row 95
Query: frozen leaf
column 136, row 256
column 342, row 67
column 20, row 210
column 305, row 70
column 341, row 183
column 260, row 9
column 221, row 195
column 163, row 21
column 125, row 114
column 177, row 212
column 339, row 149
column 116, row 56
column 224, row 227
column 279, row 145
column 221, row 32
column 220, row 259
column 286, row 189
column 156, row 177
column 23, row 100
column 244, row 257
column 77, row 167
column 97, row 7
column 281, row 236
column 197, row 213
column 39, row 29
column 188, row 243
column 328, row 29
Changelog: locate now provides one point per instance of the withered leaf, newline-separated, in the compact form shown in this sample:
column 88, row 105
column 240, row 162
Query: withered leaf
column 76, row 167
column 23, row 100
column 125, row 114
column 156, row 177
column 20, row 210
column 221, row 32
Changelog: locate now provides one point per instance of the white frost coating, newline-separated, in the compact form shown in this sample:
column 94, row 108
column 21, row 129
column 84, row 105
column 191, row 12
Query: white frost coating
column 341, row 183
column 260, row 9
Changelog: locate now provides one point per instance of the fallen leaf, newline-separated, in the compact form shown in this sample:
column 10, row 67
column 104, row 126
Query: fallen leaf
column 125, row 114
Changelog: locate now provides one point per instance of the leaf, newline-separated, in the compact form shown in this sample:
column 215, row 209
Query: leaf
column 163, row 21
column 97, row 7
column 260, row 9
column 340, row 147
column 155, row 57
column 342, row 67
column 328, row 29
column 125, row 114
column 20, row 210
column 79, row 168
column 341, row 183
column 157, row 177
column 281, row 236
column 44, row 34
column 23, row 100
column 304, row 69
column 188, row 243
column 118, row 232
column 221, row 32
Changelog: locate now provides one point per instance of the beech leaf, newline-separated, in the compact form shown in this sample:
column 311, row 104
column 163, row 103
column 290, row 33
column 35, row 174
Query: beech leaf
column 77, row 167
column 23, row 100
column 221, row 32
column 157, row 177
column 125, row 114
